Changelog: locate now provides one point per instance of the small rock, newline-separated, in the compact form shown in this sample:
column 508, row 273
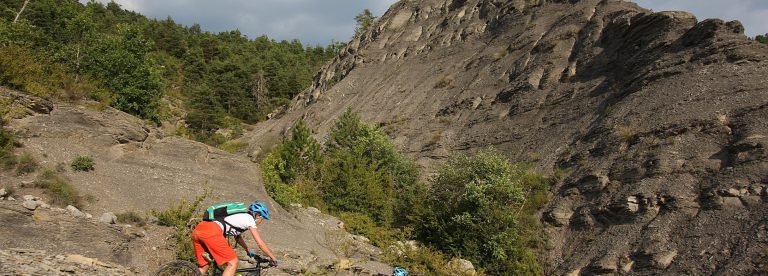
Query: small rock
column 3, row 192
column 44, row 205
column 343, row 264
column 360, row 238
column 751, row 200
column 575, row 272
column 626, row 268
column 463, row 266
column 476, row 102
column 30, row 204
column 30, row 197
column 27, row 183
column 606, row 264
column 10, row 198
column 559, row 216
column 633, row 204
column 108, row 218
column 732, row 202
column 75, row 212
column 80, row 259
column 296, row 205
column 664, row 259
column 732, row 192
column 313, row 210
column 755, row 190
column 154, row 248
column 88, row 216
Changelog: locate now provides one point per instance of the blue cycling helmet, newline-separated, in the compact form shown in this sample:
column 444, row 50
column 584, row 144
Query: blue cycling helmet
column 261, row 208
column 399, row 271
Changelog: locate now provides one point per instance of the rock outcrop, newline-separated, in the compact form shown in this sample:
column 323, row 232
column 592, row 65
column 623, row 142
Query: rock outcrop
column 658, row 120
column 17, row 261
column 138, row 169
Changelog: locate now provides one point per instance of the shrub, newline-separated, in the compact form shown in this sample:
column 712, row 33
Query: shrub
column 423, row 261
column 446, row 82
column 9, row 191
column 8, row 161
column 482, row 208
column 233, row 146
column 132, row 217
column 762, row 38
column 7, row 140
column 58, row 189
column 362, row 224
column 181, row 217
column 359, row 174
column 271, row 167
column 82, row 164
column 26, row 164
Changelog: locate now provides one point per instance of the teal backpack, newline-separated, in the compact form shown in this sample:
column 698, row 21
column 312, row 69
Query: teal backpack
column 218, row 212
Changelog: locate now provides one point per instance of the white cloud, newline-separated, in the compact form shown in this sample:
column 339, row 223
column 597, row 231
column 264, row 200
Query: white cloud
column 751, row 13
column 320, row 21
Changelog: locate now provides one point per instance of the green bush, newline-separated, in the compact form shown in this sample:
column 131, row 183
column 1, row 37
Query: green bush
column 762, row 38
column 82, row 164
column 7, row 140
column 58, row 189
column 132, row 217
column 233, row 146
column 362, row 224
column 358, row 174
column 424, row 261
column 26, row 164
column 181, row 217
column 482, row 208
column 8, row 161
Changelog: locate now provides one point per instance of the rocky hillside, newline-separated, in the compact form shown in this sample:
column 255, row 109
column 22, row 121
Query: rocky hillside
column 657, row 121
column 138, row 168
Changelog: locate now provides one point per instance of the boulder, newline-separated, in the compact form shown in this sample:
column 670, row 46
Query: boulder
column 75, row 212
column 108, row 218
column 30, row 204
column 464, row 266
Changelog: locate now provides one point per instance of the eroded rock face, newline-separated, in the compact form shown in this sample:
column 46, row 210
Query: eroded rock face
column 17, row 261
column 21, row 105
column 659, row 119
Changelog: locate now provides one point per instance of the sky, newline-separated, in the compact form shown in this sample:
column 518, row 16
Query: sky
column 318, row 22
column 753, row 14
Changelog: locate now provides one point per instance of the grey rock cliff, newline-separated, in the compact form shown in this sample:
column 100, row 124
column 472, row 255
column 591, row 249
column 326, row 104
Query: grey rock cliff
column 654, row 117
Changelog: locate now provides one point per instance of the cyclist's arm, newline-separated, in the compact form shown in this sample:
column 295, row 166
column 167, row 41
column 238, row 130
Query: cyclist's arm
column 260, row 242
column 241, row 242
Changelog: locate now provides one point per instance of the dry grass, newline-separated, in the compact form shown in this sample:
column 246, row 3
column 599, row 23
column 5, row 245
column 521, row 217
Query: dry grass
column 626, row 133
column 446, row 82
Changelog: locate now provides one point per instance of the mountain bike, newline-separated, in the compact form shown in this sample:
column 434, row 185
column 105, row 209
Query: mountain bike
column 186, row 268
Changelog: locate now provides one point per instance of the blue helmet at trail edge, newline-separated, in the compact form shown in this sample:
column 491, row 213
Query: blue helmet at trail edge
column 261, row 208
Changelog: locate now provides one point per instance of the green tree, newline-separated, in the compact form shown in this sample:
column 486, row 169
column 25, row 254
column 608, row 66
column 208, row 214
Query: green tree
column 121, row 63
column 762, row 38
column 364, row 21
column 364, row 172
column 301, row 153
column 479, row 209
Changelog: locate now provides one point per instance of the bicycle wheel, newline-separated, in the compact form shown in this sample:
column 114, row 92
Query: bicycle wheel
column 180, row 268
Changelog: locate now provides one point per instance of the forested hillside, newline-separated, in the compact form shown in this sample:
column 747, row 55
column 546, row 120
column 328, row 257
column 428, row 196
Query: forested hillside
column 156, row 69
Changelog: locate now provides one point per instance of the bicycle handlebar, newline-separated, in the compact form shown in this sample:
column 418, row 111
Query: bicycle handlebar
column 261, row 260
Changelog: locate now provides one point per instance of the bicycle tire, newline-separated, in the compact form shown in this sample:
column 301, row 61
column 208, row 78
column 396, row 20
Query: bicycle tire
column 178, row 267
